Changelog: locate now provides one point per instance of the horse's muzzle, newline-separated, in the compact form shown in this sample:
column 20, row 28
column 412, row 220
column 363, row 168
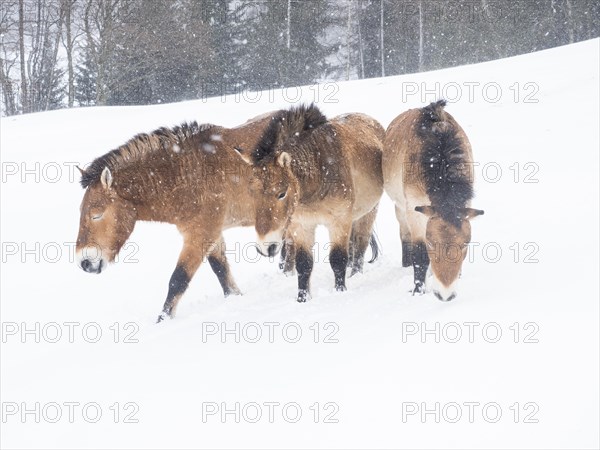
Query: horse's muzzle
column 88, row 266
column 269, row 250
column 439, row 296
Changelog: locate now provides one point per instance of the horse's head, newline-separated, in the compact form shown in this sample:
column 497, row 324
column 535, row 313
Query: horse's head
column 106, row 222
column 273, row 183
column 447, row 245
column 275, row 191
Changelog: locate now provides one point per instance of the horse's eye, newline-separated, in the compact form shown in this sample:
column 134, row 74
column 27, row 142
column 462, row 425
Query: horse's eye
column 282, row 195
column 97, row 216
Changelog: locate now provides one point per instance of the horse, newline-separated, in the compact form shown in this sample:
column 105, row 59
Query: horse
column 309, row 171
column 427, row 170
column 190, row 176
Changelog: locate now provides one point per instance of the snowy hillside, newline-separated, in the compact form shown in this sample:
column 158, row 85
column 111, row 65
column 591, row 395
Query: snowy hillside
column 374, row 366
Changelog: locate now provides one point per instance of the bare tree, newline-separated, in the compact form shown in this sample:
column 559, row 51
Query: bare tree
column 421, row 36
column 99, row 22
column 382, row 25
column 8, row 54
column 42, row 41
column 69, row 43
column 24, row 90
column 289, row 23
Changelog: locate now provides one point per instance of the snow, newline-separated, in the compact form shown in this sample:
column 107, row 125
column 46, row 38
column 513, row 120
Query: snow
column 531, row 277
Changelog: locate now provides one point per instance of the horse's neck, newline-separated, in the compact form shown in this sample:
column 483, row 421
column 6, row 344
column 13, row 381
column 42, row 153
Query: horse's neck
column 308, row 170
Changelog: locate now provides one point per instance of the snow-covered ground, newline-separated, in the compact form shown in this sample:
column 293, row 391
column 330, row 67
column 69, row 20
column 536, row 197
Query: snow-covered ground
column 383, row 371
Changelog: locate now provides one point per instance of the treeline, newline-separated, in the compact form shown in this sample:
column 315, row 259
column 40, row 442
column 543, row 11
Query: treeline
column 66, row 53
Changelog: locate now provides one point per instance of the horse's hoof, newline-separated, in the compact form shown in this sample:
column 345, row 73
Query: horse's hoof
column 419, row 289
column 232, row 292
column 354, row 271
column 341, row 288
column 289, row 273
column 162, row 317
column 302, row 296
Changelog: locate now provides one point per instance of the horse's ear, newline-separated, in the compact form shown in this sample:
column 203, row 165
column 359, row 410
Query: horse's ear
column 106, row 178
column 284, row 160
column 470, row 213
column 427, row 210
column 243, row 154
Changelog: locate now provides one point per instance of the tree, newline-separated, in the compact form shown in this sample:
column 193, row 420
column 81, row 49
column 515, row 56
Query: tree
column 162, row 56
column 24, row 89
column 69, row 44
column 282, row 43
column 85, row 75
column 150, row 51
column 8, row 55
column 44, row 82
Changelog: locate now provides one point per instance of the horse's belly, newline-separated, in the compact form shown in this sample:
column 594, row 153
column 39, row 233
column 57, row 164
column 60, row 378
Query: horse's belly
column 368, row 189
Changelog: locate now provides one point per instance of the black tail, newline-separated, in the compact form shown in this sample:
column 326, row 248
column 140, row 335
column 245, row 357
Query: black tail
column 434, row 111
column 374, row 242
column 443, row 162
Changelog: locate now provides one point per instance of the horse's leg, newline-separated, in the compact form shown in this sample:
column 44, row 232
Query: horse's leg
column 339, row 234
column 304, row 239
column 405, row 238
column 282, row 256
column 362, row 230
column 288, row 256
column 195, row 247
column 420, row 263
column 351, row 245
column 220, row 266
column 289, row 267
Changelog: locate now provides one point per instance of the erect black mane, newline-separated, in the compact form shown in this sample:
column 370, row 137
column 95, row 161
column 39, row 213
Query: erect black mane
column 140, row 145
column 287, row 124
column 444, row 163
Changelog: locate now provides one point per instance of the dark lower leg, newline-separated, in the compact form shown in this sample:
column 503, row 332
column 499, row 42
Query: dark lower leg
column 338, row 258
column 304, row 266
column 177, row 285
column 420, row 262
column 220, row 267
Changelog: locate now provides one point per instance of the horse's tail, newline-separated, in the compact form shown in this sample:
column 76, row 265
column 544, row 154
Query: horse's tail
column 444, row 161
column 288, row 124
column 374, row 243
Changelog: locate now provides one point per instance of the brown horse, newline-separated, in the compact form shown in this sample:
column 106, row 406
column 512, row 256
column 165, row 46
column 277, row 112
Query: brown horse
column 427, row 168
column 309, row 172
column 189, row 176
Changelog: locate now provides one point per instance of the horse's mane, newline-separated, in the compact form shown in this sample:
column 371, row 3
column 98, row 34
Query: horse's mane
column 285, row 125
column 142, row 145
column 444, row 163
